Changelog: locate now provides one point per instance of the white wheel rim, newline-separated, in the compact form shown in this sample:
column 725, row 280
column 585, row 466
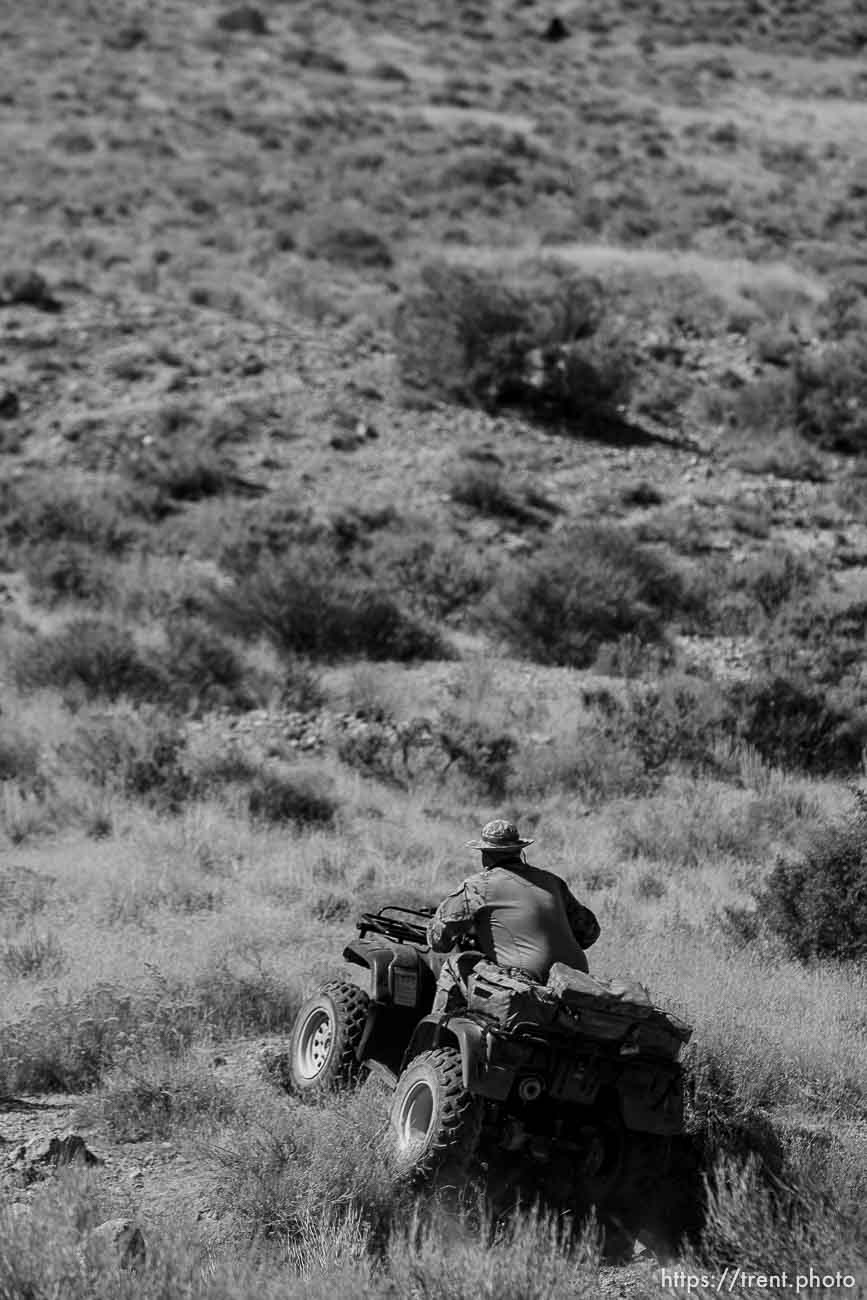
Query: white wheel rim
column 416, row 1115
column 314, row 1044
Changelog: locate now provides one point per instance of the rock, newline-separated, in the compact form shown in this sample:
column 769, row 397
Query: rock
column 556, row 30
column 124, row 1239
column 26, row 288
column 41, row 1153
column 9, row 404
column 127, row 37
column 244, row 18
column 345, row 442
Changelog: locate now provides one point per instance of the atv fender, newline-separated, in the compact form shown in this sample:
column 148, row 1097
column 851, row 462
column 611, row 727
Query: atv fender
column 400, row 976
column 377, row 958
column 472, row 1041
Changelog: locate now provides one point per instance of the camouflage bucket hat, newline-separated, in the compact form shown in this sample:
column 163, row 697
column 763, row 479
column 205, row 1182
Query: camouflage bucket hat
column 499, row 837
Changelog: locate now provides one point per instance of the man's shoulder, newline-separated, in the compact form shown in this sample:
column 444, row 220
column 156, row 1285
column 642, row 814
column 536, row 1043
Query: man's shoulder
column 477, row 881
column 541, row 875
column 471, row 886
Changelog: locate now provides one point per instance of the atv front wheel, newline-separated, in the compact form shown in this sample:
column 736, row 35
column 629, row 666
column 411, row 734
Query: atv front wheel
column 435, row 1122
column 325, row 1039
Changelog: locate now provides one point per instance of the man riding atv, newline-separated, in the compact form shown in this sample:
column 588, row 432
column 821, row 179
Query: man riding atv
column 519, row 916
column 512, row 1065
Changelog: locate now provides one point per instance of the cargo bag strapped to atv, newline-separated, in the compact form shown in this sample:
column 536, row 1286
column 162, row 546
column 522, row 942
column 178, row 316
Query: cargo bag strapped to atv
column 512, row 1001
column 614, row 1011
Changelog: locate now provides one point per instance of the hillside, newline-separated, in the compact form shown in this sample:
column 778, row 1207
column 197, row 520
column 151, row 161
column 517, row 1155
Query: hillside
column 411, row 414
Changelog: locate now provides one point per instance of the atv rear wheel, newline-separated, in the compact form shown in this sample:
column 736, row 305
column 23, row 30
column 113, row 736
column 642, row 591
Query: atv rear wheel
column 435, row 1122
column 325, row 1039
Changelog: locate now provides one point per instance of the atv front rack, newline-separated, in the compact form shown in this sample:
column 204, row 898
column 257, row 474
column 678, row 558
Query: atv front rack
column 395, row 927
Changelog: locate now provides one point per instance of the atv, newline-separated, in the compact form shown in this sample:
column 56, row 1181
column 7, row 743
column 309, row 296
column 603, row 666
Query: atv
column 572, row 1089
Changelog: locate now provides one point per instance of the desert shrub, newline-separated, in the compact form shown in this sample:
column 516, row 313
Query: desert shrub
column 51, row 1251
column 467, row 337
column 211, row 769
column 831, row 396
column 279, row 795
column 349, row 244
column 746, row 598
column 817, row 639
column 592, row 586
column 28, row 811
column 68, row 1045
column 40, row 510
column 674, row 720
column 301, row 687
column 139, row 752
column 151, row 1098
column 777, row 1227
column 794, row 724
column 642, row 494
column 19, row 757
column 201, row 669
column 691, row 825
column 64, row 570
column 92, row 657
column 786, row 455
column 533, row 1256
column 23, row 893
column 775, row 577
column 488, row 491
column 187, row 474
column 305, row 1163
column 459, row 335
column 307, row 605
column 488, row 168
column 480, row 753
column 817, row 904
column 228, row 1000
column 372, row 746
column 593, row 764
column 331, row 907
column 764, row 406
column 32, row 956
column 65, row 1046
column 439, row 576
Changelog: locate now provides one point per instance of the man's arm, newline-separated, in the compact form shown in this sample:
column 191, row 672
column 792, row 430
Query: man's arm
column 454, row 919
column 582, row 921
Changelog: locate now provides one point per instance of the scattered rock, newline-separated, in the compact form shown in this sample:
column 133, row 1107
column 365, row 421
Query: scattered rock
column 127, row 37
column 9, row 404
column 74, row 142
column 556, row 30
column 345, row 441
column 322, row 61
column 243, row 18
column 36, row 1157
column 124, row 1239
column 26, row 288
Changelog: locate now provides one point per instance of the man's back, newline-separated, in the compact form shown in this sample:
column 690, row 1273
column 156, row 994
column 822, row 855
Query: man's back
column 522, row 917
